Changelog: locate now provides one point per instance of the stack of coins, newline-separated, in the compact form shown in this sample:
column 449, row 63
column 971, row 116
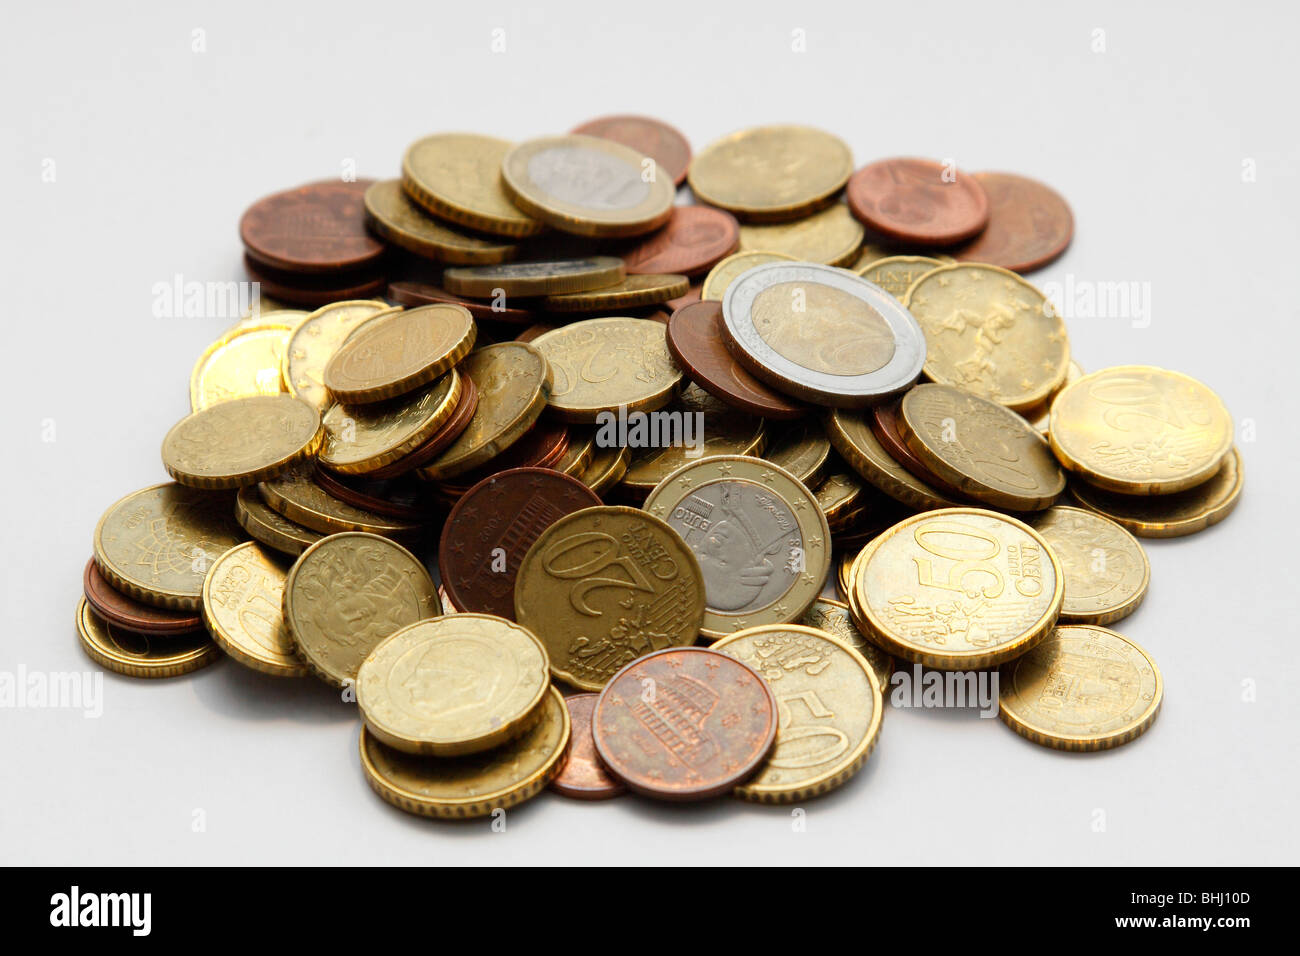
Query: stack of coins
column 566, row 505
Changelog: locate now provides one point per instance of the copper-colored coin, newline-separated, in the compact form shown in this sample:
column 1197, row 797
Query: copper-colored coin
column 883, row 421
column 443, row 437
column 412, row 293
column 314, row 290
column 534, row 331
column 685, row 723
column 649, row 137
column 130, row 615
column 541, row 447
column 320, row 227
column 695, row 341
column 1029, row 224
column 918, row 201
column 693, row 241
column 584, row 777
column 509, row 511
column 402, row 498
column 692, row 295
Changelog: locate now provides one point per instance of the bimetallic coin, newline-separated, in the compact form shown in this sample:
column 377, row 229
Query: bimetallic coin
column 1029, row 224
column 243, row 609
column 457, row 177
column 1084, row 688
column 141, row 655
column 897, row 274
column 129, row 614
column 636, row 291
column 547, row 277
column 364, row 438
column 315, row 228
column 314, row 342
column 693, row 241
column 834, row 618
column 729, row 269
column 397, row 352
column 802, row 449
column 831, row 237
column 241, row 442
column 853, row 438
column 1106, row 571
column 583, row 776
column 300, row 499
column 392, row 214
column 649, row 137
column 241, row 363
column 269, row 526
column 919, row 201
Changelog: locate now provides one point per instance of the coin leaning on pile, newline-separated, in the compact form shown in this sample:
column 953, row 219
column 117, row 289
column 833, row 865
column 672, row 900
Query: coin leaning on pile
column 549, row 472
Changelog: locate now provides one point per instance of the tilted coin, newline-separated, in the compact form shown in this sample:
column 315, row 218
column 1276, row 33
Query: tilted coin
column 1040, row 415
column 1106, row 571
column 886, row 424
column 242, row 441
column 241, row 363
column 397, row 352
column 582, row 775
column 300, row 499
column 896, row 274
column 761, row 542
column 457, row 177
column 451, row 429
column 853, row 438
column 141, row 655
column 453, row 685
column 363, row 438
column 1083, row 688
column 649, row 137
column 729, row 269
column 837, row 495
column 1140, row 430
column 392, row 214
column 829, row 708
column 547, row 277
column 693, row 241
column 425, row 293
column 635, row 291
column 403, row 498
column 822, row 334
column 348, row 592
column 606, row 585
column 582, row 447
column 919, row 201
column 830, row 236
column 802, row 449
column 314, row 342
column 243, row 609
column 269, row 527
column 1029, row 224
column 542, row 446
column 608, row 466
column 834, row 618
column 129, row 614
column 319, row 227
column 311, row 290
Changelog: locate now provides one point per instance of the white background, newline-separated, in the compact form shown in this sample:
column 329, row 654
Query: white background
column 159, row 149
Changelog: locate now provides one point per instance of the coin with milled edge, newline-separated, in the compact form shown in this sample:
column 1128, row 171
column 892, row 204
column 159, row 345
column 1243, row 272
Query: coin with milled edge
column 802, row 449
column 451, row 429
column 608, row 466
column 897, row 274
column 830, row 236
column 242, row 441
column 636, row 291
column 729, row 269
column 397, row 352
column 129, row 614
column 546, row 277
column 1029, row 224
column 583, row 776
column 142, row 655
column 837, row 496
column 243, row 609
column 319, row 227
column 314, row 342
column 243, row 362
column 576, row 458
column 834, row 618
column 363, row 438
column 270, row 527
column 649, row 137
column 457, row 177
column 853, row 438
column 1106, row 571
column 300, row 499
column 918, row 201
column 693, row 241
column 392, row 214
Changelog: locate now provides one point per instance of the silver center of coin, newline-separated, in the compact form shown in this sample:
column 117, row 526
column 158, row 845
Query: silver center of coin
column 588, row 178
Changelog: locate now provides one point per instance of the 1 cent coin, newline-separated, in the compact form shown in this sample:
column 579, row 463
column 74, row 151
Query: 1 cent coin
column 583, row 776
column 695, row 239
column 649, row 137
column 918, row 201
column 320, row 227
column 1029, row 224
column 130, row 615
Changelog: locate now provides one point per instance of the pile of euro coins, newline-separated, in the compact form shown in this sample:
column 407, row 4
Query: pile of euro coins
column 609, row 491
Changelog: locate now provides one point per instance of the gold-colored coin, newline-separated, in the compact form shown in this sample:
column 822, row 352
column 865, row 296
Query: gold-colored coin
column 243, row 362
column 392, row 214
column 897, row 274
column 990, row 332
column 762, row 544
column 603, row 586
column 242, row 441
column 155, row 544
column 1170, row 516
column 771, row 173
column 588, row 186
column 607, row 468
column 141, row 655
column 614, row 365
column 980, row 447
column 297, row 497
column 1084, row 688
column 514, row 383
column 457, row 177
column 958, row 589
column 545, row 277
column 801, row 448
column 1040, row 415
column 1106, row 571
column 243, row 608
column 453, row 685
column 269, row 527
column 397, row 352
column 831, row 236
column 720, row 276
column 1140, row 430
column 844, row 576
column 633, row 292
column 362, row 438
column 474, row 785
column 834, row 618
column 315, row 341
column 857, row 444
column 577, row 457
column 347, row 593
column 267, row 310
column 837, row 496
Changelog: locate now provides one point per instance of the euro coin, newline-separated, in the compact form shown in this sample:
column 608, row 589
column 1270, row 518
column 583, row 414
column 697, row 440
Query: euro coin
column 1106, row 571
column 726, row 271
column 314, row 342
column 834, row 618
column 1029, row 224
column 897, row 274
column 918, row 201
column 296, row 496
column 364, row 438
column 457, row 177
column 858, row 445
column 543, row 277
column 830, row 236
column 241, row 363
column 392, row 214
column 242, row 441
column 141, row 655
column 634, row 292
column 243, row 609
column 582, row 775
column 395, row 353
column 315, row 228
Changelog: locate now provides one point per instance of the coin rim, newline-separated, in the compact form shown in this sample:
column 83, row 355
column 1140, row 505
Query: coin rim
column 285, row 666
column 174, row 666
column 392, row 386
column 230, row 479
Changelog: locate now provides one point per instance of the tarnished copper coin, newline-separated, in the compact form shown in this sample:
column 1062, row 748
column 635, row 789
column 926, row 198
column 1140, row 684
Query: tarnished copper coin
column 883, row 422
column 918, row 201
column 401, row 498
column 1029, row 224
column 694, row 240
column 508, row 511
column 314, row 290
column 695, row 341
column 541, row 447
column 320, row 227
column 412, row 293
column 442, row 438
column 130, row 615
column 649, row 137
column 685, row 723
column 583, row 776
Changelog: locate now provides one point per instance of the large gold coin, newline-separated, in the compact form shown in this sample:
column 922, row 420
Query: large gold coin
column 633, row 292
column 397, row 352
column 726, row 271
column 857, row 444
column 801, row 448
column 1106, row 571
column 958, row 589
column 1140, row 430
column 155, row 544
column 348, row 592
column 834, row 618
column 141, row 655
column 453, row 685
column 269, row 527
column 362, row 438
column 392, row 214
column 897, row 274
column 457, row 176
column 243, row 608
column 474, row 785
column 243, row 362
column 604, row 586
column 771, row 173
column 603, row 365
column 296, row 496
column 829, row 708
column 990, row 332
column 242, row 441
column 762, row 543
column 315, row 341
column 1083, row 688
column 831, row 236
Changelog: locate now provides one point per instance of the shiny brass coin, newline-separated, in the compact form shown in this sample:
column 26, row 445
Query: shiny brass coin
column 829, row 708
column 514, row 383
column 1169, row 516
column 243, row 600
column 314, row 342
column 837, row 496
column 1106, row 571
column 605, row 365
column 588, row 186
column 397, row 352
column 457, row 177
column 141, row 655
column 844, row 577
column 548, row 277
column 762, row 544
column 958, row 589
column 831, row 237
column 633, row 292
column 363, row 438
column 607, row 468
column 297, row 497
column 577, row 457
column 1083, row 688
column 242, row 441
column 726, row 271
column 771, row 173
column 1140, row 430
column 604, row 586
column 858, row 445
column 243, row 362
column 453, row 685
column 801, row 448
column 269, row 526
column 897, row 274
column 834, row 618
column 392, row 214
column 268, row 311
column 474, row 785
column 155, row 544
column 980, row 447
column 347, row 593
column 1040, row 415
column 990, row 332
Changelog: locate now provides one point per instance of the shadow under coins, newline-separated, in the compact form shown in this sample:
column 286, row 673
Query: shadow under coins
column 240, row 692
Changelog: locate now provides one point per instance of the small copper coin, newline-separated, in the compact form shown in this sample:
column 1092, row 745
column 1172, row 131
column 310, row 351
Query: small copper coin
column 1029, row 224
column 314, row 290
column 695, row 341
column 693, row 241
column 649, row 137
column 320, row 227
column 130, row 615
column 685, row 723
column 391, row 497
column 913, row 201
column 584, row 777
column 541, row 447
column 883, row 421
column 692, row 295
column 426, row 293
column 508, row 510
